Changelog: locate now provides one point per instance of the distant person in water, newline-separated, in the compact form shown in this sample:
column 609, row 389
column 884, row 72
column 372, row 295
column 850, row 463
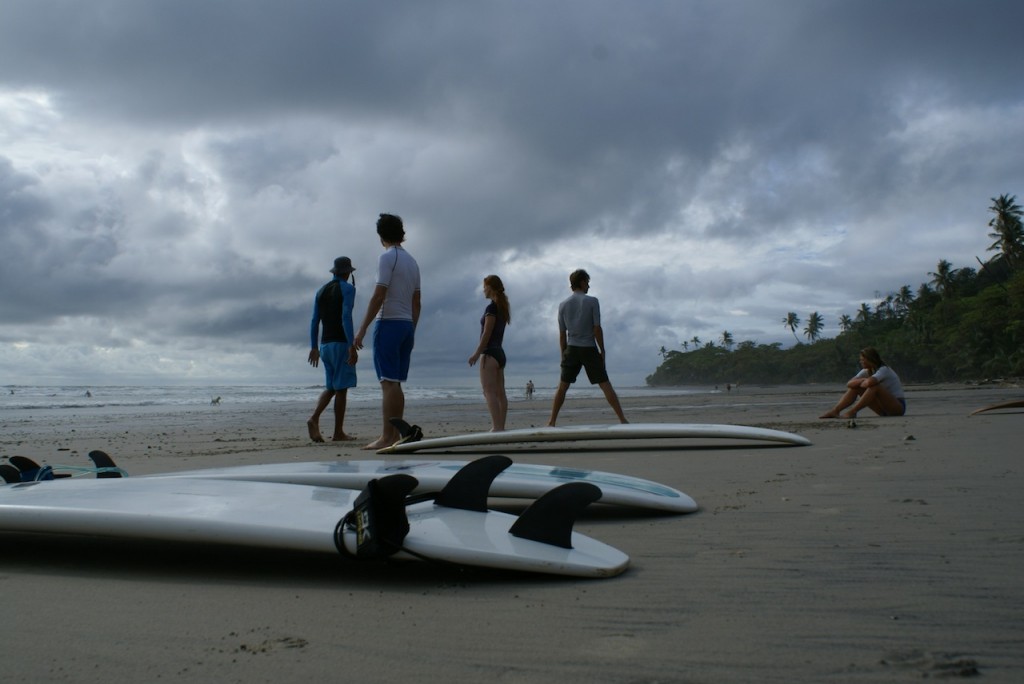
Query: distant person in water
column 490, row 353
column 529, row 389
column 876, row 387
column 332, row 307
column 581, row 340
column 395, row 305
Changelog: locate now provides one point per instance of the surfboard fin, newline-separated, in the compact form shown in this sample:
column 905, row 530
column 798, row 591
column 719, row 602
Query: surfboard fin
column 378, row 517
column 550, row 518
column 468, row 488
column 106, row 465
column 9, row 473
column 29, row 470
column 23, row 463
column 408, row 433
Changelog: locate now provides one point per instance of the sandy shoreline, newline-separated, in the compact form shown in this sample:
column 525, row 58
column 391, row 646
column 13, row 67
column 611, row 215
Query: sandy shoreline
column 887, row 552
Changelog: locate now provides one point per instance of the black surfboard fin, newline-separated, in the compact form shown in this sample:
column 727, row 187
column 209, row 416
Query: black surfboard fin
column 101, row 460
column 408, row 433
column 468, row 488
column 29, row 470
column 24, row 463
column 550, row 518
column 9, row 473
column 378, row 517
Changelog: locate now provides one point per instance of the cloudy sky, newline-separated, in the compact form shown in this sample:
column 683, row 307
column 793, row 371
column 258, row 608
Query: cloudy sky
column 176, row 176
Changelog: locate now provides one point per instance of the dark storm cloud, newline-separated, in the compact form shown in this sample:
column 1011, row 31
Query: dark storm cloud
column 249, row 142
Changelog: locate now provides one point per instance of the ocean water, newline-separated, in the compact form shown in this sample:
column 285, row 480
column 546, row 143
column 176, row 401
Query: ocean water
column 34, row 397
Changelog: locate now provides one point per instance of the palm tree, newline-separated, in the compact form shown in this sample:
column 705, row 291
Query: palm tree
column 727, row 339
column 792, row 321
column 814, row 325
column 943, row 278
column 1007, row 229
column 696, row 342
column 864, row 313
column 885, row 307
column 903, row 300
column 845, row 323
column 686, row 345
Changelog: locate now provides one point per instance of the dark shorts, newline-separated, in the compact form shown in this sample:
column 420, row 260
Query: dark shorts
column 903, row 402
column 392, row 349
column 496, row 354
column 576, row 358
column 339, row 375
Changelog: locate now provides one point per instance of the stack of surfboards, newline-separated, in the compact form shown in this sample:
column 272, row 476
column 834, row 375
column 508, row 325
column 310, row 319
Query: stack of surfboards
column 371, row 509
column 360, row 509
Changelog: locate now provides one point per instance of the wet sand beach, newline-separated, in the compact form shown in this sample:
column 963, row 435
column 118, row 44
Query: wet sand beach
column 889, row 550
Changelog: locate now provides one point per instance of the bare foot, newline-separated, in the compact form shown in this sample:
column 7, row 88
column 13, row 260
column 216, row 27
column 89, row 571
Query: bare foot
column 850, row 414
column 343, row 438
column 314, row 431
column 376, row 444
column 830, row 414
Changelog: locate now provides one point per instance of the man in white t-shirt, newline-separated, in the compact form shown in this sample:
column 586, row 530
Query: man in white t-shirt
column 395, row 305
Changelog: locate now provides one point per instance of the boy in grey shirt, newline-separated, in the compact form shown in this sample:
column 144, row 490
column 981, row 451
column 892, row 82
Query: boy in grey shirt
column 582, row 342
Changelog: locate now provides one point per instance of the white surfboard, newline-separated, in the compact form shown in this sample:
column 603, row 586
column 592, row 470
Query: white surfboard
column 629, row 431
column 284, row 516
column 1016, row 403
column 520, row 480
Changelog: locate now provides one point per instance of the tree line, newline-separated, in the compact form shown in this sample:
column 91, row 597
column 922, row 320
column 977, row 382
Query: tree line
column 963, row 323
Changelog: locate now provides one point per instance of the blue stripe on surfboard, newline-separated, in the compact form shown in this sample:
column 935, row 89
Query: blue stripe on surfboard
column 573, row 475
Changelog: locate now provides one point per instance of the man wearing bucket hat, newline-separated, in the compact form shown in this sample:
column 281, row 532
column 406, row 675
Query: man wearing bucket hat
column 332, row 307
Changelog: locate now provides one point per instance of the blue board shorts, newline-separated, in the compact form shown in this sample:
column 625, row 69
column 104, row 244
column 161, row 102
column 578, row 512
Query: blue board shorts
column 339, row 375
column 392, row 349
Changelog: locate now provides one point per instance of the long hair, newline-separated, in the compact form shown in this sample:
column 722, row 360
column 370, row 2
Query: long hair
column 500, row 299
column 873, row 357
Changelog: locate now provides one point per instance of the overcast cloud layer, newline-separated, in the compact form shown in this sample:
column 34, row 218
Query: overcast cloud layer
column 176, row 176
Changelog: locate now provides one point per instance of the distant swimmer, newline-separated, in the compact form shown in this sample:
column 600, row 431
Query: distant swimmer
column 88, row 393
column 215, row 401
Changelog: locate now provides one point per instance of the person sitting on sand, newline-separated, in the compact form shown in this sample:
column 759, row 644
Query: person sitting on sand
column 876, row 387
